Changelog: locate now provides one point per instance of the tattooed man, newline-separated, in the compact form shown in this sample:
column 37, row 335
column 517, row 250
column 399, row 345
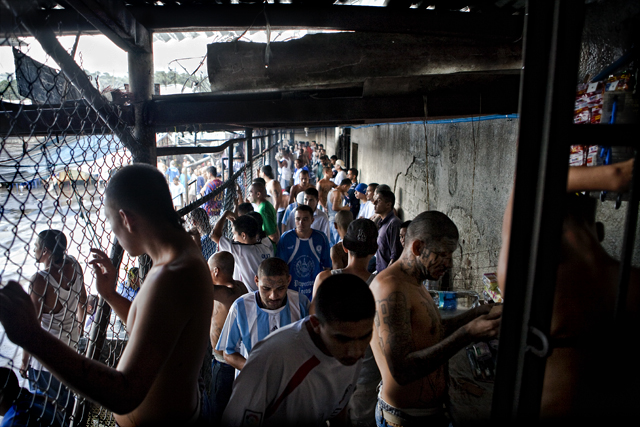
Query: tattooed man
column 411, row 343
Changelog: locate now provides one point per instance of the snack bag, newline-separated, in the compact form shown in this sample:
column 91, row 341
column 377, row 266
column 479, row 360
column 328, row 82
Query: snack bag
column 578, row 155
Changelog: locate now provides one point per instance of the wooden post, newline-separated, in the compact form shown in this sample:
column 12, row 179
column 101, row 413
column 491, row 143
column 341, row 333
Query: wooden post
column 47, row 39
column 141, row 83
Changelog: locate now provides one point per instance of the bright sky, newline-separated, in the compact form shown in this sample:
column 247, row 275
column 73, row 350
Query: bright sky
column 98, row 53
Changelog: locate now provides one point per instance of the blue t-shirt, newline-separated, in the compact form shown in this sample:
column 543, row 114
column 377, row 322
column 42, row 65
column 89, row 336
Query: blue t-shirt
column 27, row 412
column 306, row 258
column 126, row 291
column 288, row 212
column 199, row 184
column 171, row 173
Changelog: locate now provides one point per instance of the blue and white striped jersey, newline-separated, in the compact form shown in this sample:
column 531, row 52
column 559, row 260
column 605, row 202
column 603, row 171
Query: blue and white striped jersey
column 247, row 323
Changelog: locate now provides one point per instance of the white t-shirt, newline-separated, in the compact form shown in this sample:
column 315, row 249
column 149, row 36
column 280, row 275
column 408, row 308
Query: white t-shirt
column 366, row 210
column 176, row 191
column 320, row 222
column 248, row 258
column 287, row 380
column 340, row 176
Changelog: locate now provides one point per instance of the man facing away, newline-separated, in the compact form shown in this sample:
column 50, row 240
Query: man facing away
column 156, row 380
column 304, row 374
column 257, row 314
column 582, row 317
column 337, row 201
column 389, row 246
column 274, row 189
column 305, row 250
column 214, row 206
column 172, row 172
column 339, row 258
column 225, row 291
column 411, row 343
column 247, row 251
column 325, row 185
column 258, row 194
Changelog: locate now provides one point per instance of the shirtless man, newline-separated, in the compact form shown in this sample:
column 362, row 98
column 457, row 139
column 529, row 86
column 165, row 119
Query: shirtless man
column 339, row 258
column 585, row 295
column 225, row 291
column 337, row 201
column 324, row 186
column 360, row 243
column 298, row 188
column 156, row 380
column 273, row 187
column 411, row 343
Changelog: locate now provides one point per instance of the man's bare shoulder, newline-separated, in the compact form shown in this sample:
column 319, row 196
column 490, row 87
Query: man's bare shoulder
column 186, row 277
column 322, row 276
column 391, row 279
column 226, row 295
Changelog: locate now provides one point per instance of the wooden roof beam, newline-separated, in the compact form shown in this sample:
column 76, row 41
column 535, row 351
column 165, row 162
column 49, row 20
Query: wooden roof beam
column 114, row 20
column 501, row 97
column 283, row 16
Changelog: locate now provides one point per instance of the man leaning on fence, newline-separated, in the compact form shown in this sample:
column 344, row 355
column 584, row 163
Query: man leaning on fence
column 156, row 380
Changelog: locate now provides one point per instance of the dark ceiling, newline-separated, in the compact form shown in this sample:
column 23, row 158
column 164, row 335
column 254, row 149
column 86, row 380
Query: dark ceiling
column 432, row 32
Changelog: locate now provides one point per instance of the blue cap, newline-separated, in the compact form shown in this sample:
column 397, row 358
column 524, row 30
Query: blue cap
column 362, row 188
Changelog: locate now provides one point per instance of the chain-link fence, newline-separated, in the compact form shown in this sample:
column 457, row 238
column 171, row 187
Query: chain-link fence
column 57, row 154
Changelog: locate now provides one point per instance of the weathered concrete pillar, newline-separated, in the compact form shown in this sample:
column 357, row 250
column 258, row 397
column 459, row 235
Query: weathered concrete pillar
column 141, row 83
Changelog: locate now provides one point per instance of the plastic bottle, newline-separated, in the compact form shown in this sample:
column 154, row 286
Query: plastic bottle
column 447, row 300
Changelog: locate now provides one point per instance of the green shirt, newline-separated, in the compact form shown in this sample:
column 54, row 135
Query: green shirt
column 269, row 218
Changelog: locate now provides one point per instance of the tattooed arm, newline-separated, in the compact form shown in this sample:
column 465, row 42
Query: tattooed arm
column 394, row 326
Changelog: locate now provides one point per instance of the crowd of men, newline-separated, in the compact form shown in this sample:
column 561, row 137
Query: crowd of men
column 315, row 307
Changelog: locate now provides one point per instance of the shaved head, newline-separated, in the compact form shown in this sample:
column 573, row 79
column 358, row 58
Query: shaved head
column 343, row 219
column 149, row 197
column 434, row 229
column 224, row 261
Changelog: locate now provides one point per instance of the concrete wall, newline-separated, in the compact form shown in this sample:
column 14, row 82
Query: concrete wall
column 466, row 171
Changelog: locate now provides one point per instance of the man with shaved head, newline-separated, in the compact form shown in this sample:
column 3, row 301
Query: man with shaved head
column 324, row 186
column 257, row 314
column 225, row 291
column 411, row 343
column 156, row 380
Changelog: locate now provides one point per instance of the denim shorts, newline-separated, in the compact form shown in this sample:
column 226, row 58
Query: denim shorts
column 389, row 416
